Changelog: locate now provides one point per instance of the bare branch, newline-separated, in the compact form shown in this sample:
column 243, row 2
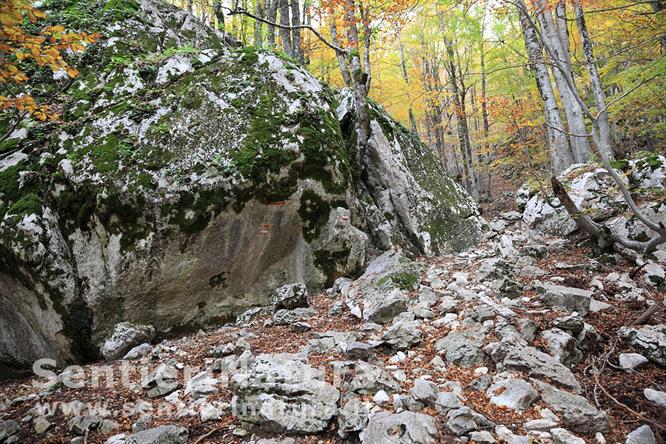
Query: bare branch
column 240, row 11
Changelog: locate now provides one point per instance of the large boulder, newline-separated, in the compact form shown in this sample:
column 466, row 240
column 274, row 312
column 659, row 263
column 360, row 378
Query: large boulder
column 185, row 182
column 282, row 394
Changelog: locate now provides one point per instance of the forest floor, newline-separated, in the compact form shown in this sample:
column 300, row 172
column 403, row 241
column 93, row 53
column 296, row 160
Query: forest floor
column 617, row 392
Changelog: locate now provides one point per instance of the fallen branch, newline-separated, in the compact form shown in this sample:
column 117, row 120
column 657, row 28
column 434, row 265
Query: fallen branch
column 647, row 314
column 211, row 432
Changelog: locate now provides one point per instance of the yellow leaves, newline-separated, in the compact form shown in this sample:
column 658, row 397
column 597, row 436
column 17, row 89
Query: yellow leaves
column 45, row 49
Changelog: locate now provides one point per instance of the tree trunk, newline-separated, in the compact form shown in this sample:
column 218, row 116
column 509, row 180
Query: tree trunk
column 296, row 32
column 558, row 143
column 271, row 7
column 461, row 120
column 599, row 95
column 190, row 6
column 405, row 77
column 342, row 61
column 285, row 33
column 484, row 183
column 219, row 15
column 580, row 145
column 258, row 25
column 367, row 34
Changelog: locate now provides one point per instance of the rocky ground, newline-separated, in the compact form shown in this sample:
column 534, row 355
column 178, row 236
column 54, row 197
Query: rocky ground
column 524, row 339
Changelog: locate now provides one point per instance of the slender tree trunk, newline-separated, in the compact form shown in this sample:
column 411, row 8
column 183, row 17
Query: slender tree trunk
column 405, row 77
column 563, row 33
column 367, row 34
column 558, row 143
column 219, row 15
column 484, row 183
column 258, row 24
column 271, row 7
column 462, row 128
column 296, row 32
column 580, row 145
column 342, row 61
column 190, row 6
column 285, row 33
column 599, row 95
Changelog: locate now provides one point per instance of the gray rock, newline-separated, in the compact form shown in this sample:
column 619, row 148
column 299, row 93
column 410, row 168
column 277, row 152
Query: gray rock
column 289, row 317
column 382, row 310
column 656, row 397
column 400, row 428
column 578, row 413
column 41, row 425
column 8, row 429
column 362, row 378
column 359, row 351
column 649, row 340
column 403, row 335
column 138, row 352
column 566, row 298
column 108, row 426
column 642, row 435
column 464, row 420
column 424, row 391
column 630, row 361
column 352, row 417
column 482, row 437
column 490, row 269
column 562, row 346
column 290, row 296
column 300, row 327
column 507, row 436
column 162, row 381
column 572, row 323
column 563, row 436
column 79, row 425
column 528, row 328
column 463, row 348
column 514, row 394
column 201, row 385
column 447, row 401
column 125, row 336
column 282, row 394
column 166, row 434
column 513, row 354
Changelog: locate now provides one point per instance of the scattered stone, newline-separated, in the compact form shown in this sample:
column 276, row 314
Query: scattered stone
column 577, row 412
column 630, row 361
column 401, row 428
column 8, row 431
column 514, row 394
column 508, row 437
column 41, row 425
column 300, row 327
column 572, row 323
column 353, row 417
column 280, row 393
column 482, row 437
column 447, row 401
column 289, row 317
column 513, row 354
column 383, row 310
column 464, row 420
column 79, row 425
column 562, row 346
column 381, row 397
column 367, row 379
column 563, row 436
column 403, row 335
column 209, row 412
column 290, row 296
column 201, row 385
column 463, row 348
column 655, row 396
column 125, row 336
column 650, row 340
column 424, row 391
column 138, row 352
column 567, row 298
column 162, row 381
column 642, row 435
column 166, row 434
column 108, row 426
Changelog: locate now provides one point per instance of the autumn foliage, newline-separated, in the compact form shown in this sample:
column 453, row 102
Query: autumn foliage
column 22, row 42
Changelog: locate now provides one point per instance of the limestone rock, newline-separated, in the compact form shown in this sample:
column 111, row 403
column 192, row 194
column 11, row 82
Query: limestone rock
column 629, row 361
column 125, row 336
column 464, row 420
column 642, row 435
column 290, row 296
column 282, row 394
column 166, row 434
column 650, row 340
column 514, row 394
column 567, row 298
column 578, row 413
column 403, row 334
column 655, row 397
column 400, row 428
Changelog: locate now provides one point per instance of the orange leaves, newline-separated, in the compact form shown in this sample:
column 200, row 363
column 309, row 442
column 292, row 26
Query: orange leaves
column 45, row 49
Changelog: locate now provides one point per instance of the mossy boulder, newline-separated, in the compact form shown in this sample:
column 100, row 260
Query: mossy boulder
column 186, row 179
